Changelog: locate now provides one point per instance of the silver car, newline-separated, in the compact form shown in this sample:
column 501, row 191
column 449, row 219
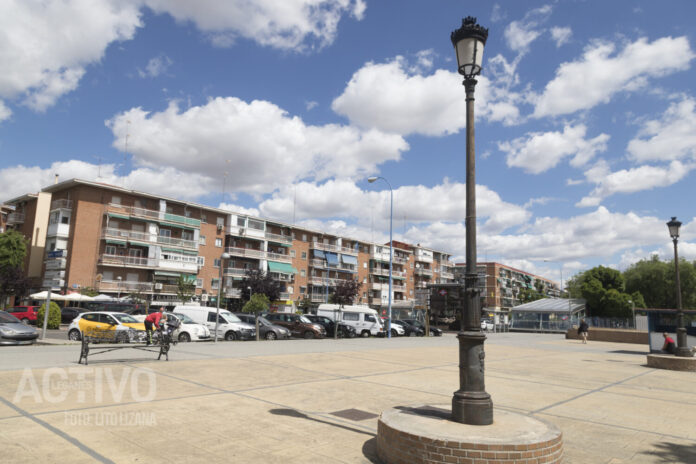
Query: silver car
column 13, row 332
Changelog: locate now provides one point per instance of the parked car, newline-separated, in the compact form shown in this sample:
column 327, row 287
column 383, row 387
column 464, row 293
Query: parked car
column 412, row 330
column 298, row 325
column 229, row 326
column 363, row 319
column 26, row 314
column 487, row 325
column 125, row 328
column 189, row 330
column 434, row 331
column 140, row 312
column 344, row 330
column 396, row 328
column 14, row 332
column 267, row 330
column 69, row 313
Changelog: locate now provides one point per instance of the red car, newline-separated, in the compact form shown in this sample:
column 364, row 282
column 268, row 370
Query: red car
column 26, row 314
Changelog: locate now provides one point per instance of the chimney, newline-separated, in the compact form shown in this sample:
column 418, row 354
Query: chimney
column 55, row 181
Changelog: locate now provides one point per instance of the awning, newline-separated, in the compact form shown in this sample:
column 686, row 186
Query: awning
column 282, row 268
column 332, row 258
column 178, row 226
column 318, row 254
column 347, row 259
column 116, row 242
column 120, row 216
column 168, row 274
column 182, row 252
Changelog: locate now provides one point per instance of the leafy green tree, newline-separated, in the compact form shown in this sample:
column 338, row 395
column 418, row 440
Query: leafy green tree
column 603, row 289
column 13, row 249
column 257, row 304
column 305, row 305
column 89, row 291
column 654, row 280
column 185, row 289
column 527, row 295
column 53, row 316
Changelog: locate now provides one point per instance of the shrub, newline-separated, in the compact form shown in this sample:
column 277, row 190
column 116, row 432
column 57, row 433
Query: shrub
column 53, row 316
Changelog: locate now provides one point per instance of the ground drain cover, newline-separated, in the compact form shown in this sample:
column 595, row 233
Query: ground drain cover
column 354, row 414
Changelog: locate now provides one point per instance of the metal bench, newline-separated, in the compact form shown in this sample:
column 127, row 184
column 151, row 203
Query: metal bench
column 110, row 340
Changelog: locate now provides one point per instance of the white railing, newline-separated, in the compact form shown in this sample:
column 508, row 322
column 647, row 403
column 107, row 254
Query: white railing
column 183, row 263
column 317, row 263
column 348, row 267
column 279, row 238
column 282, row 258
column 284, row 296
column 318, row 298
column 423, row 272
column 385, row 272
column 61, row 204
column 400, row 260
column 246, row 252
column 230, row 292
column 324, row 281
column 423, row 257
column 132, row 235
column 58, row 230
column 15, row 218
column 234, row 271
column 154, row 215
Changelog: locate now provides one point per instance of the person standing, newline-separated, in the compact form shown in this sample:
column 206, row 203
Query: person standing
column 582, row 330
column 153, row 320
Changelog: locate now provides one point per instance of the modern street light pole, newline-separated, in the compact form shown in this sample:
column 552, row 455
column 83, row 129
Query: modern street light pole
column 682, row 346
column 471, row 404
column 118, row 284
column 391, row 249
column 223, row 257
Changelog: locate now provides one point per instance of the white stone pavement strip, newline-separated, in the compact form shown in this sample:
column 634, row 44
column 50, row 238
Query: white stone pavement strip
column 276, row 401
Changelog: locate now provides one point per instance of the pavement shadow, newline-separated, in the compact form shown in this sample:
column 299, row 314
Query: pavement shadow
column 673, row 453
column 642, row 353
column 430, row 411
column 369, row 450
column 287, row 412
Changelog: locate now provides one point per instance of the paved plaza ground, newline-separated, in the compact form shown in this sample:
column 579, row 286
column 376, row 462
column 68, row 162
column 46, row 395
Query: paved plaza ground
column 267, row 402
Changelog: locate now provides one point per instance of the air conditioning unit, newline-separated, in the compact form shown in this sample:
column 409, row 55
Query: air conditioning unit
column 158, row 286
column 220, row 226
column 204, row 297
column 242, row 231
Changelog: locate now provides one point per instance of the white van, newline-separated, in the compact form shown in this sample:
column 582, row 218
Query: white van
column 230, row 327
column 363, row 319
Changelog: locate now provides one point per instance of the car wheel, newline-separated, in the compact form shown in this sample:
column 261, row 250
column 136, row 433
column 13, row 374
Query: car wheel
column 365, row 333
column 421, row 334
column 74, row 335
column 25, row 321
column 184, row 337
column 271, row 335
column 230, row 336
column 309, row 335
column 394, row 333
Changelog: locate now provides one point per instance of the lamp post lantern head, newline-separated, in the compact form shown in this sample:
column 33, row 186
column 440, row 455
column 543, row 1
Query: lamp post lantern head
column 225, row 255
column 468, row 42
column 372, row 179
column 674, row 226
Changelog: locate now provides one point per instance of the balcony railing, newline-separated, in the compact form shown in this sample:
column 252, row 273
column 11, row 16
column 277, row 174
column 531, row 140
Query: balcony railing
column 284, row 296
column 279, row 238
column 317, row 263
column 333, row 248
column 135, row 236
column 423, row 272
column 15, row 218
column 185, row 263
column 234, row 271
column 281, row 258
column 385, row 272
column 61, row 204
column 324, row 281
column 318, row 298
column 158, row 216
column 246, row 252
column 423, row 258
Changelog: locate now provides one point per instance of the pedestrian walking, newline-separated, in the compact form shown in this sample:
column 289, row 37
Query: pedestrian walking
column 582, row 330
column 153, row 320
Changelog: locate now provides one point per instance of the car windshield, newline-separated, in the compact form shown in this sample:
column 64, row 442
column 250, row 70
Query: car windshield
column 229, row 317
column 7, row 318
column 264, row 321
column 183, row 318
column 125, row 318
column 305, row 320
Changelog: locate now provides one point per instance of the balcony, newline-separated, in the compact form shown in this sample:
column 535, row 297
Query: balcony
column 282, row 277
column 318, row 298
column 421, row 271
column 318, row 263
column 246, row 252
column 333, row 248
column 143, row 237
column 153, row 215
column 385, row 272
column 284, row 296
column 281, row 258
column 183, row 264
column 279, row 238
column 58, row 230
column 58, row 263
column 15, row 218
column 234, row 272
column 247, row 232
column 61, row 204
column 423, row 257
column 323, row 281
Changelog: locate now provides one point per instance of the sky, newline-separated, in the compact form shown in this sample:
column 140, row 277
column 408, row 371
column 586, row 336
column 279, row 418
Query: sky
column 585, row 117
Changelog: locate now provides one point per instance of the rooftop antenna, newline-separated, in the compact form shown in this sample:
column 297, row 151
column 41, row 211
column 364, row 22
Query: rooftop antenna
column 55, row 179
column 294, row 206
column 125, row 152
column 99, row 158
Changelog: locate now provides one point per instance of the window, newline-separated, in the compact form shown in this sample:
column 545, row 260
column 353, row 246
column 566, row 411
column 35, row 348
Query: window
column 201, row 240
column 138, row 227
column 258, row 225
column 351, row 316
column 218, row 242
column 214, row 284
column 108, row 275
column 116, row 200
column 304, row 237
column 364, row 280
column 410, row 292
column 365, row 265
column 292, row 253
column 304, row 255
column 216, row 263
column 187, row 235
column 241, row 222
column 201, row 261
column 303, row 273
column 411, row 265
column 220, row 221
column 165, row 233
column 170, row 210
column 187, row 213
column 290, row 290
column 364, row 294
column 110, row 250
column 370, row 318
column 212, row 317
column 199, row 283
column 303, row 290
column 204, row 218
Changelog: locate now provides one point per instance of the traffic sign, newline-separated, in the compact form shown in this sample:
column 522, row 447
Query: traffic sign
column 442, row 292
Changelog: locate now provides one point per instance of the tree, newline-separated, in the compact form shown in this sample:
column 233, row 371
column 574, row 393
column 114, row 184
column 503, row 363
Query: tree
column 305, row 305
column 138, row 294
column 256, row 304
column 89, row 291
column 12, row 282
column 185, row 290
column 260, row 282
column 346, row 292
column 527, row 295
column 13, row 251
column 654, row 280
column 603, row 289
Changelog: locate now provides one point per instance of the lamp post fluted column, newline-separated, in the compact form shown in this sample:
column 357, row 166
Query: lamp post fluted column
column 391, row 250
column 471, row 404
column 683, row 349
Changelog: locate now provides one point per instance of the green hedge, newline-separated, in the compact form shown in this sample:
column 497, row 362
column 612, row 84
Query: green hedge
column 53, row 316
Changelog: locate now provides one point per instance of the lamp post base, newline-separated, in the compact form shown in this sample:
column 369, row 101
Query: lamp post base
column 683, row 350
column 471, row 404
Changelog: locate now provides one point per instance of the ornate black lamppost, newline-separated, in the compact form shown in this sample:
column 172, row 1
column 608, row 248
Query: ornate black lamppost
column 471, row 404
column 683, row 349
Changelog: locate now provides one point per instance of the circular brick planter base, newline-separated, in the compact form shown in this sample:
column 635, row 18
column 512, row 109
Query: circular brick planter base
column 671, row 362
column 426, row 435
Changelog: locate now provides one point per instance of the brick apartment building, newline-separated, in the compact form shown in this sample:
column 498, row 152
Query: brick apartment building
column 119, row 241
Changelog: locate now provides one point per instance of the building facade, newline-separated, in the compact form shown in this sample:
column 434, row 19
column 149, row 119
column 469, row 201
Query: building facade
column 118, row 242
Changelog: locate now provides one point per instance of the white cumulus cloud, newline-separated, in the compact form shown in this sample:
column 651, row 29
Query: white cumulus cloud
column 561, row 35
